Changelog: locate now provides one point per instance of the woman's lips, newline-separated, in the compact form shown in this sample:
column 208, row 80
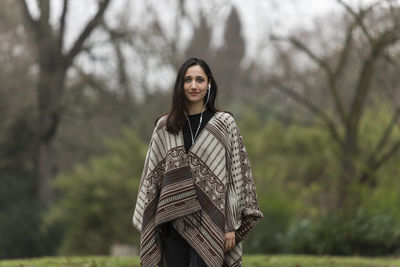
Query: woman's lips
column 193, row 93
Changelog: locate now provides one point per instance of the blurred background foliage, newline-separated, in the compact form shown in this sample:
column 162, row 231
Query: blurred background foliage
column 95, row 198
column 318, row 109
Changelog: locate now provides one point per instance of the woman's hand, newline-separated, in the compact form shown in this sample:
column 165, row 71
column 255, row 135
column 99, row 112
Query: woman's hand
column 229, row 241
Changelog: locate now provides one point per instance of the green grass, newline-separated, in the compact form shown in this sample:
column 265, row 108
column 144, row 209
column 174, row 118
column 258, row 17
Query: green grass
column 248, row 261
column 317, row 261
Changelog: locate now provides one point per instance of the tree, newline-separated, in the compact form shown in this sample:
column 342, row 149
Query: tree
column 53, row 60
column 16, row 59
column 227, row 60
column 96, row 200
column 344, row 124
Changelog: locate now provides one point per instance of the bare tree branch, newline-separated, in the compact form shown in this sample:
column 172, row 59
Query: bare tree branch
column 388, row 131
column 299, row 45
column 116, row 37
column 358, row 21
column 31, row 23
column 385, row 157
column 324, row 65
column 344, row 53
column 44, row 7
column 343, row 58
column 358, row 15
column 62, row 26
column 365, row 77
column 76, row 48
column 359, row 18
column 373, row 163
column 311, row 107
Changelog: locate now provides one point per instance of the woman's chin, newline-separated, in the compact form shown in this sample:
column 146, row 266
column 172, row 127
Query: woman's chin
column 194, row 100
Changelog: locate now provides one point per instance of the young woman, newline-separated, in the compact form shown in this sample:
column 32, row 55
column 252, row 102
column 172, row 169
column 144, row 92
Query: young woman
column 197, row 198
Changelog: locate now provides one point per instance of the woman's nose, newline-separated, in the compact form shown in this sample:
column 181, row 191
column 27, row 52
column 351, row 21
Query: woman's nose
column 193, row 85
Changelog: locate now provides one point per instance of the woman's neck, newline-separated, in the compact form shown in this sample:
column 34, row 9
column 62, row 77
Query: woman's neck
column 195, row 108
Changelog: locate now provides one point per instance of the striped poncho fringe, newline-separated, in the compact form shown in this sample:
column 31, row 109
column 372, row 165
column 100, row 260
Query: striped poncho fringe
column 204, row 192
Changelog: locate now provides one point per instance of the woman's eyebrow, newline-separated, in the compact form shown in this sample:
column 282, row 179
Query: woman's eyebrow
column 198, row 76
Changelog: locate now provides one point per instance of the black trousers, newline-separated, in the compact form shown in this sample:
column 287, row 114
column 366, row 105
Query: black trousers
column 176, row 250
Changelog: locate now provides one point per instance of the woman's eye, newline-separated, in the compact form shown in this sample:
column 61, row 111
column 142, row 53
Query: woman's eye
column 200, row 80
column 188, row 80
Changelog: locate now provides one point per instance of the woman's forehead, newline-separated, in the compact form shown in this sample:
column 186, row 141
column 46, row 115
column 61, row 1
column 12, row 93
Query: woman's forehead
column 195, row 70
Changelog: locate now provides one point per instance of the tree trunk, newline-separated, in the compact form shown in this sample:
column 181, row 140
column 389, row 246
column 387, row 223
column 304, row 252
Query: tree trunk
column 54, row 63
column 345, row 181
column 348, row 174
column 43, row 168
column 50, row 89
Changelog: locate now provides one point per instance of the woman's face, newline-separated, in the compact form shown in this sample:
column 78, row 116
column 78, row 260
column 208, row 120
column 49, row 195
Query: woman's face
column 195, row 84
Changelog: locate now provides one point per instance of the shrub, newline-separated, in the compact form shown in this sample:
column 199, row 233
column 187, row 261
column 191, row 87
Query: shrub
column 95, row 202
column 361, row 233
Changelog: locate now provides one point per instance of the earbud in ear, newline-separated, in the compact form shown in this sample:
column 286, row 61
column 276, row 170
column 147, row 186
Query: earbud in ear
column 209, row 86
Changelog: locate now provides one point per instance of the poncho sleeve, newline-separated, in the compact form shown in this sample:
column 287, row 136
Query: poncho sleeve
column 150, row 179
column 242, row 212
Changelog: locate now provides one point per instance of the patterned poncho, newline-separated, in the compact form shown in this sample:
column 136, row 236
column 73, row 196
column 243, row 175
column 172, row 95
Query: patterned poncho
column 204, row 192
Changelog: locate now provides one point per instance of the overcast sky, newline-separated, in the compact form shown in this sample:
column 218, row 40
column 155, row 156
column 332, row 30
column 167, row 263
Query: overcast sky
column 256, row 15
column 284, row 16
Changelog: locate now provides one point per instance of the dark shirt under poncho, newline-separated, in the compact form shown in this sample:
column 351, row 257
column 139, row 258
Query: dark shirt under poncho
column 194, row 121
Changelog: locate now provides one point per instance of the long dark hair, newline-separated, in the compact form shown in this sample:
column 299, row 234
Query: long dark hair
column 176, row 116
